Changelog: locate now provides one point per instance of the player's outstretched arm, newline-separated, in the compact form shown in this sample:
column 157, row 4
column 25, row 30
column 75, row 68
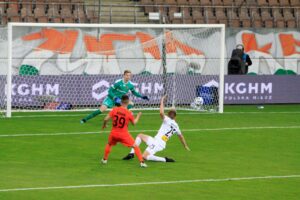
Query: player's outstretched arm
column 135, row 121
column 137, row 94
column 162, row 107
column 106, row 119
column 182, row 140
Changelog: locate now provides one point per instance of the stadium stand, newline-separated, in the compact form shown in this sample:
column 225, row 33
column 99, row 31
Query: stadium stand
column 233, row 13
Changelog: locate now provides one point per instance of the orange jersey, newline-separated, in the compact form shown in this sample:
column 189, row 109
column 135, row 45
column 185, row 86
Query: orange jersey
column 121, row 117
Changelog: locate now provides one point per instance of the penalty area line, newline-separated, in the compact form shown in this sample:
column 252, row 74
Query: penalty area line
column 152, row 183
column 139, row 131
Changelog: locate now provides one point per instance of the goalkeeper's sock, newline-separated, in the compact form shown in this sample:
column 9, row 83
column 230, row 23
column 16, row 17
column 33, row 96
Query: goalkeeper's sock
column 92, row 115
column 156, row 158
column 137, row 143
column 107, row 151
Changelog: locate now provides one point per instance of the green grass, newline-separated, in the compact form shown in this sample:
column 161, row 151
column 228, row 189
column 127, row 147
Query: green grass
column 64, row 160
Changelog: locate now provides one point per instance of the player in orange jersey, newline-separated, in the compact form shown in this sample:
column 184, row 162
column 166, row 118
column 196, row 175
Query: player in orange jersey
column 121, row 116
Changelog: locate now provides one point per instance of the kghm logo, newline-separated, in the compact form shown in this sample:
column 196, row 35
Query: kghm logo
column 248, row 91
column 24, row 89
column 248, row 88
column 24, row 92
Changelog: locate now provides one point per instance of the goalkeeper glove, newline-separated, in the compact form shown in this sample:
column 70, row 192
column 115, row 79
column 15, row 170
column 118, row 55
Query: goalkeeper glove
column 117, row 101
column 145, row 98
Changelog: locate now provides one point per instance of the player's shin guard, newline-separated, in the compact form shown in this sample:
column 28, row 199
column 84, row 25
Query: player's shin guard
column 138, row 153
column 92, row 115
column 156, row 158
column 107, row 151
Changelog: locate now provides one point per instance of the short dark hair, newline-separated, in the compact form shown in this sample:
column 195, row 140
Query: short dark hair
column 172, row 112
column 126, row 71
column 125, row 99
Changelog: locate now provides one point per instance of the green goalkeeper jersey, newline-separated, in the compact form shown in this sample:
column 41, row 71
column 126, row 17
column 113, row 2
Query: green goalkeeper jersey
column 119, row 88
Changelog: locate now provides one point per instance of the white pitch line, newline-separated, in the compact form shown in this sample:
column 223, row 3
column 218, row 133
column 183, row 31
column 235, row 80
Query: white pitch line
column 152, row 183
column 190, row 113
column 154, row 130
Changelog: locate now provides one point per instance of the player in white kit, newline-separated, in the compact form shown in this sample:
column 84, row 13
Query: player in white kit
column 168, row 128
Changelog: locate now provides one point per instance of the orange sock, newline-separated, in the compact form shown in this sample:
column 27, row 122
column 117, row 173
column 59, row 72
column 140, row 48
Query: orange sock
column 138, row 154
column 107, row 151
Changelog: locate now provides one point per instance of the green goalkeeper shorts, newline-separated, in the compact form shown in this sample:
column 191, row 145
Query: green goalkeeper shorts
column 109, row 103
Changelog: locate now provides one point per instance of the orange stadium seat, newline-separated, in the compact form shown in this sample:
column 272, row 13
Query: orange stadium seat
column 205, row 2
column 217, row 2
column 295, row 2
column 29, row 19
column 221, row 16
column 262, row 3
column 197, row 14
column 26, row 11
column 4, row 20
column 278, row 18
column 194, row 2
column 239, row 2
column 182, row 2
column 43, row 19
column 27, row 4
column 234, row 21
column 228, row 2
column 209, row 16
column 284, row 2
column 12, row 11
column 56, row 20
column 53, row 12
column 256, row 18
column 148, row 6
column 267, row 18
column 245, row 18
column 172, row 10
column 170, row 2
column 273, row 3
column 3, row 5
column 186, row 13
column 15, row 19
column 289, row 18
column 159, row 2
column 39, row 12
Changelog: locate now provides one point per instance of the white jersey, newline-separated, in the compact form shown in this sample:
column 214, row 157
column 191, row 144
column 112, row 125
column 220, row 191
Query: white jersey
column 168, row 128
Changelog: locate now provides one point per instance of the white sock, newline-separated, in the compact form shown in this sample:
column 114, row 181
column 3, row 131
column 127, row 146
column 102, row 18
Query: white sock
column 156, row 158
column 137, row 142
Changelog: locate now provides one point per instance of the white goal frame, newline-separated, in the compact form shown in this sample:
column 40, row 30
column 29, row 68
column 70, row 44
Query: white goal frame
column 64, row 25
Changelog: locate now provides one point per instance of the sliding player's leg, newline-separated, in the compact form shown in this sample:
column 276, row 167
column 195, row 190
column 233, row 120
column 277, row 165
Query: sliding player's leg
column 107, row 103
column 152, row 157
column 140, row 137
column 152, row 149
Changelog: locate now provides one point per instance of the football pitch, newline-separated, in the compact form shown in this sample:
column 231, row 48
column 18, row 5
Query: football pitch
column 245, row 153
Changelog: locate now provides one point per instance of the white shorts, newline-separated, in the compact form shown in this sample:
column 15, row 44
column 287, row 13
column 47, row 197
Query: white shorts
column 154, row 145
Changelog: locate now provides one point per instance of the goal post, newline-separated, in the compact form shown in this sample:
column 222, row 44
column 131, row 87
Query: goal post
column 55, row 67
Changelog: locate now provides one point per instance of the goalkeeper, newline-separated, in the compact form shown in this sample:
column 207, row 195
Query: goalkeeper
column 115, row 92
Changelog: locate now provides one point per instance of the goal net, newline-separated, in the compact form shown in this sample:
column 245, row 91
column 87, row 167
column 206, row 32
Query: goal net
column 71, row 66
